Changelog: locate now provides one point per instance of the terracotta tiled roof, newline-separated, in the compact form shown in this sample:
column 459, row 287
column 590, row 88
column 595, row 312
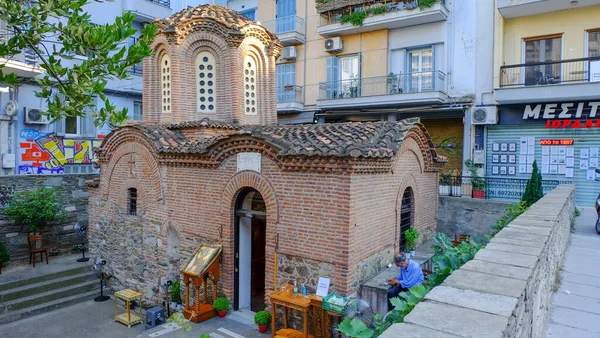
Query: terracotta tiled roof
column 223, row 15
column 367, row 140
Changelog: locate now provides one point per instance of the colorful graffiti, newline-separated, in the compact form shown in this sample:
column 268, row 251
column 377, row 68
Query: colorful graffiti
column 47, row 153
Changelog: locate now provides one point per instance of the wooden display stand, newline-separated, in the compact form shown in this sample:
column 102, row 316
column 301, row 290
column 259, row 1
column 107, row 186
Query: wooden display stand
column 203, row 264
column 127, row 317
column 288, row 299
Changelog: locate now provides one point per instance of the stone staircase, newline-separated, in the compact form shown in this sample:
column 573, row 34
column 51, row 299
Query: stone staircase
column 46, row 292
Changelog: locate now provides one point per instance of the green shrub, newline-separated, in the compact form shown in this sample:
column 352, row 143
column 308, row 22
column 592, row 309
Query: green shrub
column 512, row 211
column 176, row 292
column 262, row 318
column 4, row 253
column 411, row 235
column 221, row 304
column 35, row 208
column 423, row 4
column 533, row 191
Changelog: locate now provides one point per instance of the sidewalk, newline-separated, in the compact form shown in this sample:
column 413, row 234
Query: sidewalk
column 575, row 307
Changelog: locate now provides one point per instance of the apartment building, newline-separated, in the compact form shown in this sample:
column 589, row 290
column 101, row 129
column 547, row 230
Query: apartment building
column 547, row 86
column 407, row 58
column 29, row 143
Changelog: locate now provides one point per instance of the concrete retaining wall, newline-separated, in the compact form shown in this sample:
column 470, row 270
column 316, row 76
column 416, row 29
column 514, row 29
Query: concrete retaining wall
column 469, row 216
column 506, row 290
column 73, row 195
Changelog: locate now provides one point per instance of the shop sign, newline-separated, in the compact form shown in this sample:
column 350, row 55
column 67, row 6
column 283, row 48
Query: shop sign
column 564, row 115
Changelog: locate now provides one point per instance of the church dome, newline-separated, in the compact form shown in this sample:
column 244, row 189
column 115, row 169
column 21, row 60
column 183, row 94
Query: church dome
column 225, row 16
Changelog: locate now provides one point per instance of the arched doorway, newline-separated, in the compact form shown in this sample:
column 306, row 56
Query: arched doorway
column 407, row 209
column 250, row 239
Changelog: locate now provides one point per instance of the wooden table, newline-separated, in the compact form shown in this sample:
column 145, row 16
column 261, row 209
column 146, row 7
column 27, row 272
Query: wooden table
column 288, row 299
column 127, row 317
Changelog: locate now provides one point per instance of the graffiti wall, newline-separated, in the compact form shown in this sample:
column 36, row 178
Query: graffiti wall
column 447, row 137
column 47, row 153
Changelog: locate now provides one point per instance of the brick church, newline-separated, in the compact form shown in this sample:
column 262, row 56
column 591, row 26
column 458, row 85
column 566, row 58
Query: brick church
column 210, row 166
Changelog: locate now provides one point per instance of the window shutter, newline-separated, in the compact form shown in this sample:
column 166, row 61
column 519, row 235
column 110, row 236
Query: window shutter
column 333, row 77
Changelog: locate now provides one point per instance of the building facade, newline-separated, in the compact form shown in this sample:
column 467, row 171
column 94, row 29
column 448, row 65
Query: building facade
column 29, row 143
column 547, row 86
column 426, row 59
column 284, row 202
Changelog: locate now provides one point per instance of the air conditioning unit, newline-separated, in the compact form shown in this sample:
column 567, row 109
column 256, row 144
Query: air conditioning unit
column 333, row 45
column 484, row 115
column 288, row 53
column 35, row 116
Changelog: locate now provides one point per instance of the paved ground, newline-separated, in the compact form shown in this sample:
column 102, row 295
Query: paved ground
column 575, row 309
column 95, row 320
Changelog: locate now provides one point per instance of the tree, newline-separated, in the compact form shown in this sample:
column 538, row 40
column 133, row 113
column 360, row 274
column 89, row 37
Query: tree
column 533, row 191
column 35, row 208
column 56, row 30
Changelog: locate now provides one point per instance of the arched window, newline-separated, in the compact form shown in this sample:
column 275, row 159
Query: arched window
column 132, row 201
column 205, row 82
column 165, row 82
column 406, row 215
column 250, row 86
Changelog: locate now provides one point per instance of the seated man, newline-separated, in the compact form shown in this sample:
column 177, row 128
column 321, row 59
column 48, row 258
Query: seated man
column 410, row 275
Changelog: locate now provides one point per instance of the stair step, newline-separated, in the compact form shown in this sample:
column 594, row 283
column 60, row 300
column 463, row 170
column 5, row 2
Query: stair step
column 44, row 286
column 42, row 278
column 48, row 296
column 48, row 306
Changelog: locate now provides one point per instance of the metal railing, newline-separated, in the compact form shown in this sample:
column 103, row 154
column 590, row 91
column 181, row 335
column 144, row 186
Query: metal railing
column 419, row 82
column 547, row 72
column 389, row 6
column 285, row 24
column 27, row 56
column 136, row 70
column 290, row 93
column 166, row 3
column 495, row 188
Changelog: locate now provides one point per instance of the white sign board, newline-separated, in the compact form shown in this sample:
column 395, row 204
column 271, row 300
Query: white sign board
column 249, row 161
column 595, row 71
column 323, row 287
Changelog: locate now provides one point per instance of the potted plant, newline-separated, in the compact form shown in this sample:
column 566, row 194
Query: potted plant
column 221, row 305
column 445, row 181
column 477, row 181
column 35, row 208
column 456, row 181
column 262, row 319
column 411, row 235
column 288, row 87
column 392, row 80
column 175, row 294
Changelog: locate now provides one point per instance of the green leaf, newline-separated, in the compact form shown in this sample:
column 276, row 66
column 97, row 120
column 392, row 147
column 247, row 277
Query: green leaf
column 399, row 304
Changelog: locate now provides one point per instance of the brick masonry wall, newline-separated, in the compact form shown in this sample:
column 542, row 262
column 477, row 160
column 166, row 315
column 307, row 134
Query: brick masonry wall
column 73, row 194
column 506, row 290
column 314, row 214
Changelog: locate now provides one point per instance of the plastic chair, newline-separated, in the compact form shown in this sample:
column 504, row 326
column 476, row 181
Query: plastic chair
column 155, row 316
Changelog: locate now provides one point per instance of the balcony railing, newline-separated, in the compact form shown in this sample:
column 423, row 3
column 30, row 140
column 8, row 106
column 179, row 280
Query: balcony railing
column 136, row 70
column 337, row 8
column 495, row 188
column 547, row 73
column 418, row 82
column 166, row 3
column 27, row 56
column 286, row 24
column 290, row 93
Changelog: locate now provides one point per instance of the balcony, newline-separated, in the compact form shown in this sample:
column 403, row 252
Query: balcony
column 289, row 30
column 518, row 8
column 148, row 10
column 384, row 91
column 23, row 65
column 382, row 15
column 574, row 79
column 289, row 98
